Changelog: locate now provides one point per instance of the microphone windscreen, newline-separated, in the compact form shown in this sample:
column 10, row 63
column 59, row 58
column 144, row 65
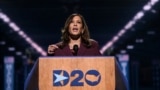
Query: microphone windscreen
column 75, row 48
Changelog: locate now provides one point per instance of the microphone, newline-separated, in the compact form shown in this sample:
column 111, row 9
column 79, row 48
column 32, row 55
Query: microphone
column 75, row 48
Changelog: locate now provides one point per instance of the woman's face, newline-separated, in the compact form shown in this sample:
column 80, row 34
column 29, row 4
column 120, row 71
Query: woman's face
column 75, row 27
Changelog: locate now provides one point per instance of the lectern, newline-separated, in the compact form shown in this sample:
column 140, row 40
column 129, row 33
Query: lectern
column 76, row 73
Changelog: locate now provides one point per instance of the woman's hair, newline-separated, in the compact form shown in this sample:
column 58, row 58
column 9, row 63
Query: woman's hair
column 84, row 36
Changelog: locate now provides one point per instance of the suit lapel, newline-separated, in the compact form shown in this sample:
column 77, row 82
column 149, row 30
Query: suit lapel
column 81, row 50
column 67, row 51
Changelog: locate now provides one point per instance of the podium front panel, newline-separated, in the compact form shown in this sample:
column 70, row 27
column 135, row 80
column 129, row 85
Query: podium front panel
column 76, row 73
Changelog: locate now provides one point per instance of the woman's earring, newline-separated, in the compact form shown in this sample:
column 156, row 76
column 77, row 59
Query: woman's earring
column 82, row 31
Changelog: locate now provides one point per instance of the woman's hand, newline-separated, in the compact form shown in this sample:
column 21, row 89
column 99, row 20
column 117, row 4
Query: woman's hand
column 52, row 48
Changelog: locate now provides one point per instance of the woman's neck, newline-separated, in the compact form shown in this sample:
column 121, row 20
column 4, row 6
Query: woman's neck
column 74, row 42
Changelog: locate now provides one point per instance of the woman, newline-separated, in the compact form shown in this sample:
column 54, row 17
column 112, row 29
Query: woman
column 75, row 39
column 75, row 42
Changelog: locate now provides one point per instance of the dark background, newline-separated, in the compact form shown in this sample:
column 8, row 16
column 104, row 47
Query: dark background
column 43, row 21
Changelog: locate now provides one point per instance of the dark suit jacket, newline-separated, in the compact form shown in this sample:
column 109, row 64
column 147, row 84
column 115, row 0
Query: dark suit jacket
column 82, row 51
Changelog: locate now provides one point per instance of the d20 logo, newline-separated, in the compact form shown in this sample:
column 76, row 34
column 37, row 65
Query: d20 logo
column 62, row 77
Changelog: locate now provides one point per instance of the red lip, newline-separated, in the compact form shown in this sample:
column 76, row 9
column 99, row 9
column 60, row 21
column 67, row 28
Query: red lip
column 75, row 28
